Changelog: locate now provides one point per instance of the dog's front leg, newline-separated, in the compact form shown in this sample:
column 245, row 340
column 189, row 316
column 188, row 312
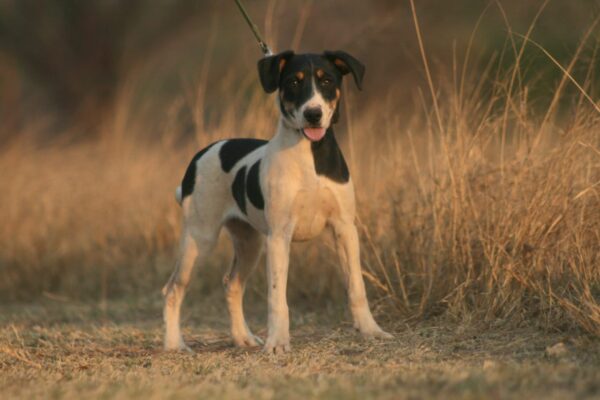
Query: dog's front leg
column 348, row 247
column 278, row 253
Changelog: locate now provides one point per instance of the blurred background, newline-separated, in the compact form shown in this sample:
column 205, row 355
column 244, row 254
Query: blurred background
column 67, row 62
column 477, row 193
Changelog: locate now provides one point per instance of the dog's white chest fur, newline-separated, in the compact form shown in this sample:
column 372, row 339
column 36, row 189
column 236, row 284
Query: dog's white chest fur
column 311, row 210
column 296, row 194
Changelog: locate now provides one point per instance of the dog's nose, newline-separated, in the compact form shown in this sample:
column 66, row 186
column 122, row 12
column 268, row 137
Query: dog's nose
column 313, row 115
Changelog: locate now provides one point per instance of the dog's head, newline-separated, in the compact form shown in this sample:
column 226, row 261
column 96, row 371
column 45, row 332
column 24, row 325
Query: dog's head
column 309, row 87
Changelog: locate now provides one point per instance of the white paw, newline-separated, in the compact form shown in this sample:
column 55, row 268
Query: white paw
column 376, row 334
column 370, row 330
column 178, row 345
column 276, row 345
column 373, row 331
column 247, row 340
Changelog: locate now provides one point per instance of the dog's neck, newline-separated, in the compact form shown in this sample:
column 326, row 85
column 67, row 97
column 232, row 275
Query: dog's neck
column 324, row 156
column 288, row 138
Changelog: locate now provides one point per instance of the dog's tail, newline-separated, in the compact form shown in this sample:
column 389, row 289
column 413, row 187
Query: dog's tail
column 178, row 195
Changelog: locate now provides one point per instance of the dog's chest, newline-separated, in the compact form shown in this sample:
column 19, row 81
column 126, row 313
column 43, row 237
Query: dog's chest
column 300, row 197
column 312, row 207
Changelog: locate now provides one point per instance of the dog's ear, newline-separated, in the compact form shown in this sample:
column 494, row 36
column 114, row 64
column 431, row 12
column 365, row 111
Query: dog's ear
column 345, row 63
column 269, row 70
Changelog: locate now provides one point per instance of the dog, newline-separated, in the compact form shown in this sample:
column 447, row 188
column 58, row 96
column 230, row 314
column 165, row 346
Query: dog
column 270, row 193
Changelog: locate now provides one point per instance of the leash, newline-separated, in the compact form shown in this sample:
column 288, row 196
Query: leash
column 263, row 46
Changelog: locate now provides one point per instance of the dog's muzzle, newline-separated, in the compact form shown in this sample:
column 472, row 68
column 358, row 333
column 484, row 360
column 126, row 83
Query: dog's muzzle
column 313, row 117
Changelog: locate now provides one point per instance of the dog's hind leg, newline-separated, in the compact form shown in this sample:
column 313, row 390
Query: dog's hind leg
column 247, row 244
column 194, row 250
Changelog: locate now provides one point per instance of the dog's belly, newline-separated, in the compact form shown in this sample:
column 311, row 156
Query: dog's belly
column 312, row 209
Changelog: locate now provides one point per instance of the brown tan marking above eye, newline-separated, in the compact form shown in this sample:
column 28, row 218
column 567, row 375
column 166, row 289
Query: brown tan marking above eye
column 340, row 63
column 300, row 75
column 282, row 64
column 320, row 73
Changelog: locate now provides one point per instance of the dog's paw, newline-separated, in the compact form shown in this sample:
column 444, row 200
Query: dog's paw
column 248, row 340
column 178, row 346
column 372, row 331
column 376, row 334
column 277, row 346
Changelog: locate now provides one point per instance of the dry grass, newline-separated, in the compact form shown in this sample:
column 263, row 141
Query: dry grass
column 63, row 350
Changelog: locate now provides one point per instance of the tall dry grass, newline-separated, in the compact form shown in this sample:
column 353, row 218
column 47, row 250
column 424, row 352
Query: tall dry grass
column 478, row 206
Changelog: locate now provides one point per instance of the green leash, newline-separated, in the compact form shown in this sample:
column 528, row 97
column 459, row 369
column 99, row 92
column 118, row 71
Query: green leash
column 263, row 46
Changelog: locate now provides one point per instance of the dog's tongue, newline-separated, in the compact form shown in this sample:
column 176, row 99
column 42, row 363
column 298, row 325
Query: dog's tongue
column 314, row 134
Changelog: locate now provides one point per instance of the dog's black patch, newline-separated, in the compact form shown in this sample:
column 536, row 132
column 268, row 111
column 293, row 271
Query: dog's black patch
column 329, row 160
column 189, row 178
column 253, row 187
column 235, row 149
column 238, row 189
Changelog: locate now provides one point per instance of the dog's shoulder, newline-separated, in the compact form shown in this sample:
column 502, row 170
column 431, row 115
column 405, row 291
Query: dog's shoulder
column 234, row 150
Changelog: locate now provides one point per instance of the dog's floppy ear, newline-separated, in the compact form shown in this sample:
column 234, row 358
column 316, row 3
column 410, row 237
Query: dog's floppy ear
column 269, row 70
column 345, row 63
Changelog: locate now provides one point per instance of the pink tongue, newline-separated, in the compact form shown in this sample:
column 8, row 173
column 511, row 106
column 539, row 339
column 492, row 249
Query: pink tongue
column 314, row 134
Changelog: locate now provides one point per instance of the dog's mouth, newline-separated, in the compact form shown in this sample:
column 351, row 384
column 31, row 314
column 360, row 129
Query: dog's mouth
column 314, row 134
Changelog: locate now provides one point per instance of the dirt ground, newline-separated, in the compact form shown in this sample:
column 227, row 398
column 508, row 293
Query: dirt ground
column 61, row 349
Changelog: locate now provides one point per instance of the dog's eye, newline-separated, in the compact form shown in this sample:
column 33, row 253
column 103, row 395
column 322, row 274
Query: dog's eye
column 294, row 83
column 326, row 82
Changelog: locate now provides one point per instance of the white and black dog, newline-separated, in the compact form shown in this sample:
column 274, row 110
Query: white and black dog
column 272, row 193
